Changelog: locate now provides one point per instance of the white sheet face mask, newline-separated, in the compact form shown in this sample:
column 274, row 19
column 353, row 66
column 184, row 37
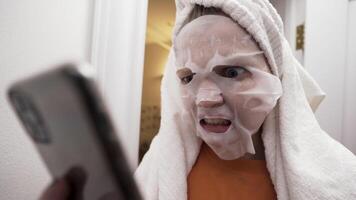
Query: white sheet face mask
column 226, row 88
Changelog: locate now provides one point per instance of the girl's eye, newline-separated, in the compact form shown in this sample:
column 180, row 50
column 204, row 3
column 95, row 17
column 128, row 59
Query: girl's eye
column 185, row 80
column 185, row 75
column 230, row 72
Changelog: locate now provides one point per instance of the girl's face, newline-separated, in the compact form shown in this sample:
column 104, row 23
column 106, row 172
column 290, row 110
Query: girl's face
column 225, row 83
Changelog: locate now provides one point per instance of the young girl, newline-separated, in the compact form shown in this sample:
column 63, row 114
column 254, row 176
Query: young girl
column 237, row 114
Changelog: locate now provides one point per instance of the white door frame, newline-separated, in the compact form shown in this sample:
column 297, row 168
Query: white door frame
column 349, row 125
column 118, row 57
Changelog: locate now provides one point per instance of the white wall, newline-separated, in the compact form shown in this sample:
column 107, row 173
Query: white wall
column 33, row 35
column 326, row 43
column 325, row 58
column 349, row 125
column 293, row 15
column 118, row 54
column 38, row 34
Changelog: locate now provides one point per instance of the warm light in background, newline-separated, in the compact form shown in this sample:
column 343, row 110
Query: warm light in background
column 160, row 21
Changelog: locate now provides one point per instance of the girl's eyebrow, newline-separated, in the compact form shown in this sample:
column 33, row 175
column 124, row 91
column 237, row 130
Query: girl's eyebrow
column 185, row 71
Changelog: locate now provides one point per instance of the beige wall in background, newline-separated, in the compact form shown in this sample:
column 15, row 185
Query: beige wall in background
column 161, row 14
column 155, row 59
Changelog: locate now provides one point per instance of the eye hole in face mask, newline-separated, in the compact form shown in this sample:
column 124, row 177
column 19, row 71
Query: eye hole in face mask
column 233, row 72
column 185, row 75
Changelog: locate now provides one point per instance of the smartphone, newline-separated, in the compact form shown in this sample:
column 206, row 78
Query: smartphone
column 64, row 115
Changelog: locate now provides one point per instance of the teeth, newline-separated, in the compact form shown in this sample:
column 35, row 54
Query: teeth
column 217, row 121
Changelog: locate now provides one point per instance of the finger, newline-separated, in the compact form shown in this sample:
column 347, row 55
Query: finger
column 58, row 190
column 76, row 177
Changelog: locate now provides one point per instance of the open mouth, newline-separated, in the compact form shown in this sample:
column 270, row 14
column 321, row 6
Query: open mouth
column 215, row 125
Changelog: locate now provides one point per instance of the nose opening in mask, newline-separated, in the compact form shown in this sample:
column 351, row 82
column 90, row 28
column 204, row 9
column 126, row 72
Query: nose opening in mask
column 209, row 98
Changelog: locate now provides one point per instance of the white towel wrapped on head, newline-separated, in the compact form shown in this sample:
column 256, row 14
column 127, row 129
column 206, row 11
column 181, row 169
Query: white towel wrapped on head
column 304, row 162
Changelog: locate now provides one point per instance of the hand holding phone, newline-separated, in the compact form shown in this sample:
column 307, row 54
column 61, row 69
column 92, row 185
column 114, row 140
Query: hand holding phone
column 65, row 116
column 70, row 186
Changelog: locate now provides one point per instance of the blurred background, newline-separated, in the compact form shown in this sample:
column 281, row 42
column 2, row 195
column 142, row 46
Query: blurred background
column 160, row 22
column 127, row 42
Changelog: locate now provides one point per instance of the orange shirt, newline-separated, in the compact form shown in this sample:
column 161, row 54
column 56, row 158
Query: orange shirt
column 214, row 179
